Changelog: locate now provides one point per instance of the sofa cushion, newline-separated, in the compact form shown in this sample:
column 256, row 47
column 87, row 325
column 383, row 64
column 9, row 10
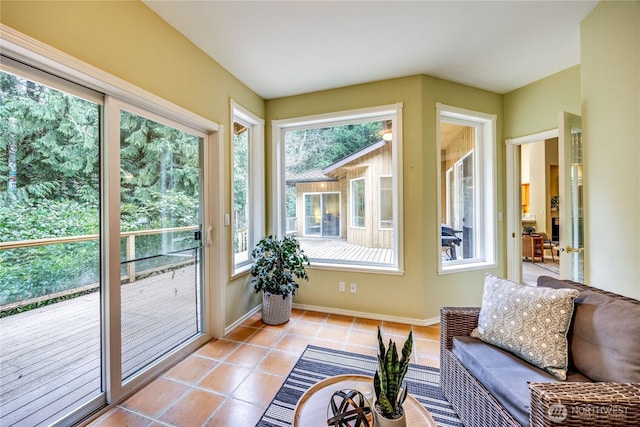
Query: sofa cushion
column 531, row 322
column 552, row 282
column 602, row 344
column 503, row 374
column 605, row 343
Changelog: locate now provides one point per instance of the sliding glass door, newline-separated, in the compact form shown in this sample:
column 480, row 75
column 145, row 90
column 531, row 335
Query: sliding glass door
column 50, row 284
column 160, row 222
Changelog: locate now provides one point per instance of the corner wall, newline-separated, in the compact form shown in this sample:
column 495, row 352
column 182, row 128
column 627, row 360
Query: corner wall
column 419, row 293
column 610, row 46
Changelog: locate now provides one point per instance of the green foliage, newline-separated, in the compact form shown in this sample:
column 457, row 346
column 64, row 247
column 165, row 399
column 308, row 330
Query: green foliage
column 240, row 179
column 40, row 270
column 320, row 147
column 277, row 263
column 53, row 138
column 56, row 135
column 387, row 381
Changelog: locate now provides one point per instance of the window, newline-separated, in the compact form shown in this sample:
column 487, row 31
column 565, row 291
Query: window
column 466, row 171
column 330, row 191
column 247, row 195
column 358, row 203
column 386, row 202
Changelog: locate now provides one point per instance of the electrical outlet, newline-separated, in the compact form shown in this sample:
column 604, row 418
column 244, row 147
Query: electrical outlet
column 341, row 286
column 354, row 287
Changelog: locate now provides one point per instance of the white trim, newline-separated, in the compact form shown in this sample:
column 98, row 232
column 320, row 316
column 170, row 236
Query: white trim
column 365, row 315
column 353, row 202
column 485, row 186
column 513, row 204
column 384, row 112
column 338, row 118
column 24, row 48
column 257, row 189
column 241, row 320
column 535, row 137
column 215, row 238
column 380, row 177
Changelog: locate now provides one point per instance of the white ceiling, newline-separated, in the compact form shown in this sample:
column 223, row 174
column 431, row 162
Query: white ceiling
column 281, row 48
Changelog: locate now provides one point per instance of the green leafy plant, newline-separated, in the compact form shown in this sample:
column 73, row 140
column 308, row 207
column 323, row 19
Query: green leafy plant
column 387, row 381
column 277, row 265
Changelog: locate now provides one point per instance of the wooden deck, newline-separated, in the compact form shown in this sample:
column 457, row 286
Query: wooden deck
column 339, row 249
column 50, row 357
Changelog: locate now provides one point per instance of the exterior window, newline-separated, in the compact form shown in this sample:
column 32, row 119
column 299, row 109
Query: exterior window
column 247, row 197
column 330, row 193
column 386, row 202
column 358, row 203
column 466, row 190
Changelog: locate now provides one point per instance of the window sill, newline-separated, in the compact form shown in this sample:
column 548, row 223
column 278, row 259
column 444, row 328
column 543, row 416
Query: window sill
column 463, row 267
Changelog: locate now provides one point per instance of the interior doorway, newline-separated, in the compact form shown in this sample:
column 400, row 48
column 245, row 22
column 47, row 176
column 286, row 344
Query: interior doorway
column 539, row 183
column 533, row 214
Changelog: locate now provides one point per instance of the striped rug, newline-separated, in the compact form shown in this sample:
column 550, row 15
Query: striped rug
column 317, row 363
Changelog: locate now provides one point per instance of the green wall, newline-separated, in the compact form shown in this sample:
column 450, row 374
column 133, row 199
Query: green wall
column 419, row 293
column 534, row 108
column 610, row 46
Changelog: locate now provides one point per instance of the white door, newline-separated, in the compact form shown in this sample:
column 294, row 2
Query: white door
column 571, row 197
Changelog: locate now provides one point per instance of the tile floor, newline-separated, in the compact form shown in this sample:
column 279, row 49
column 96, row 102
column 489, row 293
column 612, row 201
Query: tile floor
column 231, row 381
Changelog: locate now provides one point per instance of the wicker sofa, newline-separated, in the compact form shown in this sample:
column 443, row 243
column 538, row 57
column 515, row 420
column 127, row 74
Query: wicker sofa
column 578, row 401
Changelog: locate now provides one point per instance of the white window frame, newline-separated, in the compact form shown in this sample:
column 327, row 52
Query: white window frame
column 354, row 203
column 256, row 183
column 485, row 190
column 385, row 112
column 380, row 189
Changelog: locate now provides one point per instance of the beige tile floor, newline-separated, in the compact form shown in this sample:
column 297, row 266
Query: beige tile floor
column 231, row 381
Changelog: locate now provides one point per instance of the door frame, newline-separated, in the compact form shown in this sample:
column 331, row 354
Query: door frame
column 39, row 55
column 513, row 202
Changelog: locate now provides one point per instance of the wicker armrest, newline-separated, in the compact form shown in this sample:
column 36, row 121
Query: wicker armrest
column 456, row 321
column 584, row 404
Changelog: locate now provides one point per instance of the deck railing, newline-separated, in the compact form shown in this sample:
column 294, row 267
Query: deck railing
column 130, row 245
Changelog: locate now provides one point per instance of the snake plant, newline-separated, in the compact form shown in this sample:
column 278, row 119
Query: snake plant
column 387, row 380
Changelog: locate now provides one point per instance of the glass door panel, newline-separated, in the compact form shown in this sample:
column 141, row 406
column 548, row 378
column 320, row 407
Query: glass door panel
column 50, row 289
column 160, row 239
column 571, row 191
column 331, row 214
column 312, row 216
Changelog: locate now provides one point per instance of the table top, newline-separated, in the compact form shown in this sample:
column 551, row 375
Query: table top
column 311, row 410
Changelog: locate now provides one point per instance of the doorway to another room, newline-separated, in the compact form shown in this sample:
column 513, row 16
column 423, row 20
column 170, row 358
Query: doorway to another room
column 540, row 216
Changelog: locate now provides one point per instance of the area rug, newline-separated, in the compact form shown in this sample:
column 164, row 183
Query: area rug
column 317, row 363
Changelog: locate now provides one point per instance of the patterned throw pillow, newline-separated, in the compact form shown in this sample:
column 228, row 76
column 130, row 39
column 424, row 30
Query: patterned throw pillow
column 528, row 321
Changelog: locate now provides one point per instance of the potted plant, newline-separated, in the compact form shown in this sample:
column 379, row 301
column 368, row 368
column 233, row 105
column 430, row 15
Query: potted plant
column 387, row 383
column 277, row 265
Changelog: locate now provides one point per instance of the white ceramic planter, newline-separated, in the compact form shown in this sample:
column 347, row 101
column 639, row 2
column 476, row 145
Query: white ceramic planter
column 380, row 421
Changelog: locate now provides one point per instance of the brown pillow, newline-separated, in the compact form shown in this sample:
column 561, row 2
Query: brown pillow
column 605, row 344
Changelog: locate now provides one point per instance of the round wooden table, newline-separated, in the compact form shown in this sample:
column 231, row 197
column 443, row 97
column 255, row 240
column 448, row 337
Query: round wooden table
column 311, row 410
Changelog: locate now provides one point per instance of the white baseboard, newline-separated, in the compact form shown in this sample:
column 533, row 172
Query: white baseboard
column 241, row 320
column 373, row 316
